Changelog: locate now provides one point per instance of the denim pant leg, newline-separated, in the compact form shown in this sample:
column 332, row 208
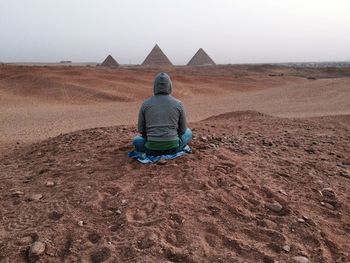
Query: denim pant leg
column 139, row 143
column 184, row 139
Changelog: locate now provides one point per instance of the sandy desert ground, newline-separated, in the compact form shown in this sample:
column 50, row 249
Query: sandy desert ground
column 268, row 180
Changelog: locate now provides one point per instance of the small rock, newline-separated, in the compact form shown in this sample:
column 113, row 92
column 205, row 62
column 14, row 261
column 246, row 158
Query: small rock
column 341, row 165
column 327, row 190
column 148, row 241
column 17, row 193
column 35, row 197
column 300, row 220
column 123, row 201
column 204, row 139
column 267, row 142
column 25, row 241
column 118, row 212
column 162, row 162
column 283, row 174
column 276, row 207
column 50, row 184
column 80, row 223
column 286, row 248
column 37, row 248
column 344, row 174
column 211, row 167
column 244, row 187
column 300, row 259
column 283, row 192
column 305, row 217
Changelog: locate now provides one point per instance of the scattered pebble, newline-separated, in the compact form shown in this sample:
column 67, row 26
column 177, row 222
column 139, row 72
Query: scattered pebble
column 244, row 187
column 300, row 259
column 50, row 184
column 283, row 192
column 162, row 162
column 286, row 248
column 118, row 212
column 148, row 241
column 211, row 167
column 37, row 248
column 17, row 193
column 341, row 165
column 276, row 207
column 204, row 139
column 300, row 220
column 80, row 223
column 123, row 201
column 327, row 190
column 344, row 174
column 35, row 197
column 267, row 142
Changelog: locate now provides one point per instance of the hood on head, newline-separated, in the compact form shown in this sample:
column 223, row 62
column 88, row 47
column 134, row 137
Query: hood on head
column 162, row 84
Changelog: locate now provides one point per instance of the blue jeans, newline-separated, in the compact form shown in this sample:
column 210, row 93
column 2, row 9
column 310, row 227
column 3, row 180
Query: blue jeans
column 139, row 141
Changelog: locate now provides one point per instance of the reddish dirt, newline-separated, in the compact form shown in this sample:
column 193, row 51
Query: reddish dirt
column 209, row 206
column 94, row 204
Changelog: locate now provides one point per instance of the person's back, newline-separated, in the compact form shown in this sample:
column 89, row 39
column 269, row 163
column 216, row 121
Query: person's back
column 162, row 120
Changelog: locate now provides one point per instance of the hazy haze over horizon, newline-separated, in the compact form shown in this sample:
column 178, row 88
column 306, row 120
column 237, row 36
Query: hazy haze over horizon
column 251, row 31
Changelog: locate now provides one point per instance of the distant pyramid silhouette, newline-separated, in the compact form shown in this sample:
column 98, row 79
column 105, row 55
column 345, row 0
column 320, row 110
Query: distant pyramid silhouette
column 157, row 58
column 110, row 62
column 200, row 58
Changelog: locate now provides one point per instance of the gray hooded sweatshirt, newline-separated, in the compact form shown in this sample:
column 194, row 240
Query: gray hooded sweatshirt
column 162, row 117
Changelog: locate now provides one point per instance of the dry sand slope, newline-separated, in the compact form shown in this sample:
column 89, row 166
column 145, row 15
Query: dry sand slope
column 249, row 193
column 41, row 102
column 256, row 189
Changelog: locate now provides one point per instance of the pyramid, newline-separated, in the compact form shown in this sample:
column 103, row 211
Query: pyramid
column 110, row 62
column 200, row 58
column 157, row 58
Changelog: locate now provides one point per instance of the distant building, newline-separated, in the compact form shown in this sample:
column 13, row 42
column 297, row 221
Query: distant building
column 201, row 58
column 156, row 58
column 110, row 62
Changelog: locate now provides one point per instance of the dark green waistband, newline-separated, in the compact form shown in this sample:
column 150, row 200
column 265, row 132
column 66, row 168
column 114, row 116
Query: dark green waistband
column 162, row 145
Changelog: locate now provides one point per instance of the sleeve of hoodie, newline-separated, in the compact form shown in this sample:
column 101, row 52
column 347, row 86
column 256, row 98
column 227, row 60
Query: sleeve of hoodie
column 141, row 124
column 182, row 120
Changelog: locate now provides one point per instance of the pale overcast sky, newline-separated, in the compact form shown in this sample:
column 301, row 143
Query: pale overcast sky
column 231, row 31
